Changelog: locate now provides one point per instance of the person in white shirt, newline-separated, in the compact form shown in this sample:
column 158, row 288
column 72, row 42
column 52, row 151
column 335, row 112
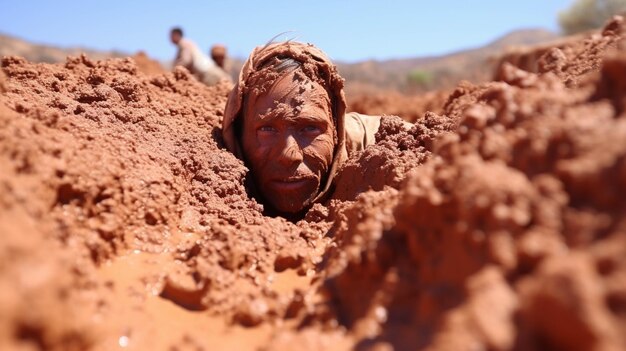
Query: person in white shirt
column 194, row 60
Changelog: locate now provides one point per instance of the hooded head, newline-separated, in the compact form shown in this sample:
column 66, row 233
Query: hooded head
column 285, row 119
column 218, row 54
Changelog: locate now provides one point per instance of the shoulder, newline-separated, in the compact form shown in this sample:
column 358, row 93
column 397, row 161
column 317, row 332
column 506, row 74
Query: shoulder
column 366, row 122
column 360, row 130
column 186, row 43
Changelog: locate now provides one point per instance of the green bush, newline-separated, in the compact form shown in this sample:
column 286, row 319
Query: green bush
column 589, row 14
column 422, row 79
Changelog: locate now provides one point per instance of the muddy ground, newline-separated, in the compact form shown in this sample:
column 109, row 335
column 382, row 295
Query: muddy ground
column 497, row 223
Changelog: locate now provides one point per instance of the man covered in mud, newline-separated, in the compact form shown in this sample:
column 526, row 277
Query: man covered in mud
column 194, row 60
column 285, row 118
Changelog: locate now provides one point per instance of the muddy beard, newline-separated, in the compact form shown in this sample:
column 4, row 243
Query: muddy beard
column 272, row 211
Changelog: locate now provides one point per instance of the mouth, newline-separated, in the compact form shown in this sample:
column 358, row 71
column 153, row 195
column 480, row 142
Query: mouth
column 290, row 183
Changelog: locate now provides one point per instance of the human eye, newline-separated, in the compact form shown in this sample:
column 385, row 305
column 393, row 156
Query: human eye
column 311, row 129
column 266, row 129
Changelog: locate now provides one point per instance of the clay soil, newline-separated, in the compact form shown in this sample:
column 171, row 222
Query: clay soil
column 498, row 222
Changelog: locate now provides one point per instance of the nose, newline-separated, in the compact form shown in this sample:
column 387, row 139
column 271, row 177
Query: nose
column 291, row 152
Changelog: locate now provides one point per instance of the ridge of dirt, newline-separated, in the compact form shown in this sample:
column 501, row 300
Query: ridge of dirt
column 509, row 236
column 110, row 164
column 569, row 59
column 495, row 224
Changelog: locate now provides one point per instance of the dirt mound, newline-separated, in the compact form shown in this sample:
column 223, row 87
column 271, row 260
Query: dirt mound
column 146, row 65
column 511, row 237
column 122, row 174
column 569, row 58
column 497, row 223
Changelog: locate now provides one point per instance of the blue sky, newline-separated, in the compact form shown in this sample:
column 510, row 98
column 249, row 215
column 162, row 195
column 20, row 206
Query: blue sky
column 346, row 30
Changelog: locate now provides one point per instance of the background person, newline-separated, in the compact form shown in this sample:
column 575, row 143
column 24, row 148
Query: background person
column 194, row 60
column 218, row 54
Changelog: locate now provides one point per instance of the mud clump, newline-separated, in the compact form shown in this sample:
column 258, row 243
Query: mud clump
column 146, row 65
column 396, row 152
column 569, row 59
column 496, row 222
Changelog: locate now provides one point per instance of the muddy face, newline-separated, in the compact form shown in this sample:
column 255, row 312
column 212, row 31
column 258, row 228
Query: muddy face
column 288, row 141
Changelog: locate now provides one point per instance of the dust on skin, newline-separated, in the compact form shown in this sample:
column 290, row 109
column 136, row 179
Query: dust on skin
column 288, row 139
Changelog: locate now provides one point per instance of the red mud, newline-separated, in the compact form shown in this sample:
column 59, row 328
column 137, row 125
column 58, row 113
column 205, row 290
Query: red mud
column 495, row 224
column 146, row 65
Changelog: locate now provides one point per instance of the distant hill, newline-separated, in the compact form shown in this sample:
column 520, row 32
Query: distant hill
column 50, row 54
column 439, row 72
